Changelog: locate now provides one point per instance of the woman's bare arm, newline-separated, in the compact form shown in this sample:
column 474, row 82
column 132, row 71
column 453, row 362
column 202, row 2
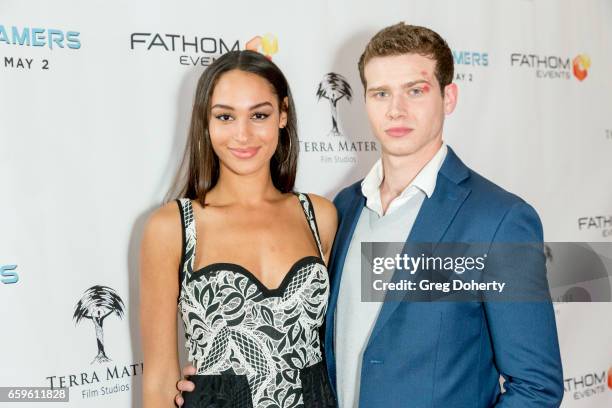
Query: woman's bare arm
column 159, row 261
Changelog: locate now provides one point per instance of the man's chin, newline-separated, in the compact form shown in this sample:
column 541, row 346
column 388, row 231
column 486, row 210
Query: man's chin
column 408, row 146
column 400, row 149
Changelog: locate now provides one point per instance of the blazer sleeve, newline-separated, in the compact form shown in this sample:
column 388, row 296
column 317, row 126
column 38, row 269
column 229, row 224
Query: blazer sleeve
column 524, row 333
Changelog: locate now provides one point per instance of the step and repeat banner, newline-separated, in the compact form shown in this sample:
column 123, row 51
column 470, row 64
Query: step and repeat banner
column 95, row 102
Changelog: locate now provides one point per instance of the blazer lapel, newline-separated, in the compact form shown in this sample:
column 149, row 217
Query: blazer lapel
column 434, row 218
column 338, row 256
column 343, row 240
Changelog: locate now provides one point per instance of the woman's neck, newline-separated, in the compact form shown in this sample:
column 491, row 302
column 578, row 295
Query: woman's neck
column 244, row 190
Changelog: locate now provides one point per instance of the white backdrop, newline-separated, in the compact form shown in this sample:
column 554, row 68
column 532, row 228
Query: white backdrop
column 95, row 100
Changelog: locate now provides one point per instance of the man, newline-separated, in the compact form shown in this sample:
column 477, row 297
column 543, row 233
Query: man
column 418, row 354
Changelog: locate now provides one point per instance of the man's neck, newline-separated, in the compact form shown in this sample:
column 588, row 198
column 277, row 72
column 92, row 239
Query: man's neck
column 400, row 171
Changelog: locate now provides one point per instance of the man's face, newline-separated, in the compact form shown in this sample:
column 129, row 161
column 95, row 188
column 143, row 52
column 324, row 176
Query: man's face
column 405, row 106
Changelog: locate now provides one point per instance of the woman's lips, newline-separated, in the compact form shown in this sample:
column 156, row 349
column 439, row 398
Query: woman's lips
column 244, row 152
column 398, row 131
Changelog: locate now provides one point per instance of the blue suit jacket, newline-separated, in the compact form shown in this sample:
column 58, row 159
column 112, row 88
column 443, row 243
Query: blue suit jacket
column 450, row 354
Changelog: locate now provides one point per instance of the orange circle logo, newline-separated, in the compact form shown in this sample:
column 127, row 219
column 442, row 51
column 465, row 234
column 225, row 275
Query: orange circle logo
column 581, row 65
column 267, row 45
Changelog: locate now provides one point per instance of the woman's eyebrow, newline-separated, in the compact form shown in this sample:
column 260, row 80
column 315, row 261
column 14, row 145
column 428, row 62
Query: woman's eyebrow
column 221, row 106
column 259, row 105
column 227, row 107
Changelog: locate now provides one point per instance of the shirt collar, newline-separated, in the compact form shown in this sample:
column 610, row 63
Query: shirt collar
column 425, row 180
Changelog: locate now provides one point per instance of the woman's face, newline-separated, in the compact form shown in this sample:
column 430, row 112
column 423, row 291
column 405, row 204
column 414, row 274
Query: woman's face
column 244, row 122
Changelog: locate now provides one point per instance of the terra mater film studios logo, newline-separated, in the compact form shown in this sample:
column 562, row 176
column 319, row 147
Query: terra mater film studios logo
column 334, row 87
column 553, row 66
column 104, row 377
column 337, row 147
column 96, row 304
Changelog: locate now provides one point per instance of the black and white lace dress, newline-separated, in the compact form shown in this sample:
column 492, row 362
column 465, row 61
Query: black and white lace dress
column 253, row 346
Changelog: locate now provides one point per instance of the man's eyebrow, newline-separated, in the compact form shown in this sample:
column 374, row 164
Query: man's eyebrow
column 227, row 107
column 378, row 88
column 406, row 85
column 413, row 83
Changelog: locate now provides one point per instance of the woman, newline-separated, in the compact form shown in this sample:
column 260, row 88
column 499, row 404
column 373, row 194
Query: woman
column 252, row 284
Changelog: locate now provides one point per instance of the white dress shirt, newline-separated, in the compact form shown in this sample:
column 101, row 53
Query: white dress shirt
column 354, row 319
column 425, row 181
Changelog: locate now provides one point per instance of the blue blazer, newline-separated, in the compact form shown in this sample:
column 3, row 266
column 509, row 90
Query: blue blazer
column 451, row 354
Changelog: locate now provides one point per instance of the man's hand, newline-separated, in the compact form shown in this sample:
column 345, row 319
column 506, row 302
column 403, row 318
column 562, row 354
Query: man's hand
column 184, row 384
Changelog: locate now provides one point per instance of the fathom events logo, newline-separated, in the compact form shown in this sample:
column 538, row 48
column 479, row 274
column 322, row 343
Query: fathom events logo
column 195, row 50
column 553, row 66
column 96, row 304
column 588, row 385
column 601, row 223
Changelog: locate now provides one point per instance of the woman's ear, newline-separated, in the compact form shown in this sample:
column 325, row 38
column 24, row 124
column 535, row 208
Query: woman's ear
column 283, row 112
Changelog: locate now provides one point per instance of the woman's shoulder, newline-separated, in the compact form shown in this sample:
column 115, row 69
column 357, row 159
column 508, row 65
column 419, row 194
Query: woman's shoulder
column 164, row 223
column 162, row 245
column 326, row 219
column 322, row 206
column 325, row 213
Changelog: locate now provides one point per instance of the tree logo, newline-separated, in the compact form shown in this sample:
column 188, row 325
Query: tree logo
column 96, row 304
column 334, row 87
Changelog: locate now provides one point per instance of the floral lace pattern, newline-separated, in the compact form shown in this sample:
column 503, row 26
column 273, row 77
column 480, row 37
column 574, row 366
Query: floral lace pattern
column 236, row 327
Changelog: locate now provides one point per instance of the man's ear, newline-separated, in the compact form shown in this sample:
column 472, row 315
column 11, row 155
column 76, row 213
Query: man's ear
column 451, row 92
column 284, row 108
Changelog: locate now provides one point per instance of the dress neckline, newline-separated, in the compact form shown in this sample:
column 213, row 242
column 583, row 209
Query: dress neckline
column 188, row 221
column 236, row 268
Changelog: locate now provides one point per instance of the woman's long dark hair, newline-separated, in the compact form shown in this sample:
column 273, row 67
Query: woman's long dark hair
column 199, row 169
